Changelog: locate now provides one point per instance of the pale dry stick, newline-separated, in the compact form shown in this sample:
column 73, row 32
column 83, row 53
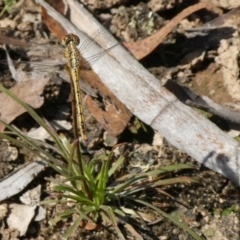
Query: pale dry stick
column 74, row 59
column 17, row 180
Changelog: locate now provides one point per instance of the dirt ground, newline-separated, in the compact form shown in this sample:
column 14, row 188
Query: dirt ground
column 197, row 55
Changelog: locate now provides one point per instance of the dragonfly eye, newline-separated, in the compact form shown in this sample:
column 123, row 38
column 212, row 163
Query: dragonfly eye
column 70, row 38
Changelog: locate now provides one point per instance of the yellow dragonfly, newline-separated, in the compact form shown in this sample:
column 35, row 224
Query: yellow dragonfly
column 70, row 54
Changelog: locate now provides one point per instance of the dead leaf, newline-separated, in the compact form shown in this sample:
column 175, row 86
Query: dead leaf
column 16, row 220
column 28, row 92
column 148, row 217
column 3, row 211
column 134, row 233
column 89, row 225
column 32, row 196
column 40, row 215
column 115, row 116
column 54, row 26
column 143, row 47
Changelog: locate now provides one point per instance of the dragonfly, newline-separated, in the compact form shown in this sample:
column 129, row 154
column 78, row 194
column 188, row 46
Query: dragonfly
column 70, row 55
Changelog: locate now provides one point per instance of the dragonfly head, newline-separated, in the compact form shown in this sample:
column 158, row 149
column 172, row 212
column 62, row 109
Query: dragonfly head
column 70, row 38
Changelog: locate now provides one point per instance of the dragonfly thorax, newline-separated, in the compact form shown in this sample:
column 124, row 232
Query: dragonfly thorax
column 70, row 38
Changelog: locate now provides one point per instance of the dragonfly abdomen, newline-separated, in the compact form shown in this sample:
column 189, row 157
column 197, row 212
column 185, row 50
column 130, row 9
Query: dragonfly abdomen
column 74, row 58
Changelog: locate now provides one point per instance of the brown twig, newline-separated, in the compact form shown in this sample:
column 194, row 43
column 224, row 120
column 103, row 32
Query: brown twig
column 143, row 47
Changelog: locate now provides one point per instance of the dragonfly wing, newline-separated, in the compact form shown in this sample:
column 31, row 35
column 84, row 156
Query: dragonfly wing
column 60, row 63
column 88, row 42
column 94, row 58
column 44, row 51
column 27, row 47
